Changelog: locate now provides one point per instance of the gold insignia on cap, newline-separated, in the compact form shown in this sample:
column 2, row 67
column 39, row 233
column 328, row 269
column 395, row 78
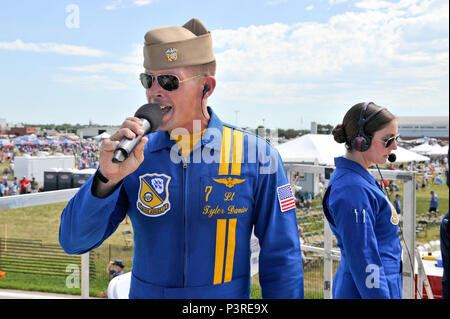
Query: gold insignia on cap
column 172, row 54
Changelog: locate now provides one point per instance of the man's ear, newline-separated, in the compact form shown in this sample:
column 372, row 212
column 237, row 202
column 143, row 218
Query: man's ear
column 209, row 86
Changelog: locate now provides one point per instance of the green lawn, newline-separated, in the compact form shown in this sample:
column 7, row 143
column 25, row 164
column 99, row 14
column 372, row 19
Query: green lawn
column 422, row 204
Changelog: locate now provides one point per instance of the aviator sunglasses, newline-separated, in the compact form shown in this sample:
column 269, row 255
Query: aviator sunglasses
column 391, row 140
column 168, row 82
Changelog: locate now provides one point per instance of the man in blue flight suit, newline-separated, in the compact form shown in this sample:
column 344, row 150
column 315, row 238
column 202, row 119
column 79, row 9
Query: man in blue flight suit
column 194, row 190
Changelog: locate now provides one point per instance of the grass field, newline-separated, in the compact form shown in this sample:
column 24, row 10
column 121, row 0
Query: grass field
column 422, row 204
column 42, row 222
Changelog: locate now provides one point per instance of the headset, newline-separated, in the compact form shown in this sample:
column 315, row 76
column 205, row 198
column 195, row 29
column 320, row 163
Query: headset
column 361, row 141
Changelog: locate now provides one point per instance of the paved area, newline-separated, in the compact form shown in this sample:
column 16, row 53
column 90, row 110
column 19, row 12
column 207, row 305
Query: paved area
column 20, row 294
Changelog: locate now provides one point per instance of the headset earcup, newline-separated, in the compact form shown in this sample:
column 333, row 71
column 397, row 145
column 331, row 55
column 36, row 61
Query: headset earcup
column 367, row 143
column 361, row 143
column 356, row 143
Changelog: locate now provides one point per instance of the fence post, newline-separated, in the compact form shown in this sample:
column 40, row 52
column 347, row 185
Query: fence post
column 409, row 236
column 85, row 275
column 327, row 261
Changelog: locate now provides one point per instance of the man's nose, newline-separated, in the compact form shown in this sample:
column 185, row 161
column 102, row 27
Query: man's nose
column 155, row 91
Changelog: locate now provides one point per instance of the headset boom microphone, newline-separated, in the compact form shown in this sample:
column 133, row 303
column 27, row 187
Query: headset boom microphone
column 392, row 157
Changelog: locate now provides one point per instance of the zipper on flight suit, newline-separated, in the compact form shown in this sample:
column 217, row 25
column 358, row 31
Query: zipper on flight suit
column 184, row 220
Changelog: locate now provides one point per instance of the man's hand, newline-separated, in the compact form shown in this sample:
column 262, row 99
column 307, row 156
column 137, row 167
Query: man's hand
column 130, row 128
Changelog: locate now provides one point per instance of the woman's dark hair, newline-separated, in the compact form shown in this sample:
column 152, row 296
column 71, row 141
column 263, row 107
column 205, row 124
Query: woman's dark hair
column 349, row 128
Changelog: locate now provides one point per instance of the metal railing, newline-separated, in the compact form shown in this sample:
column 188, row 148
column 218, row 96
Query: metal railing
column 51, row 197
column 34, row 257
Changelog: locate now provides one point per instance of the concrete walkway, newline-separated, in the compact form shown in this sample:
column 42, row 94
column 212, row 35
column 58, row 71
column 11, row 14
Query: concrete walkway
column 21, row 294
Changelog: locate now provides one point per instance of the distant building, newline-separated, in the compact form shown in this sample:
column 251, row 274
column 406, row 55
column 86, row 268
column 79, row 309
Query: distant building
column 93, row 131
column 49, row 132
column 3, row 124
column 421, row 126
column 20, row 131
column 313, row 127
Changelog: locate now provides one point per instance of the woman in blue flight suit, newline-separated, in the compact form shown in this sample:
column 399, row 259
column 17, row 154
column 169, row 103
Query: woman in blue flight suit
column 360, row 214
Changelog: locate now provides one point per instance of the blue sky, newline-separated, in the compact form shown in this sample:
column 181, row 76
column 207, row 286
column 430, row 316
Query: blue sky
column 282, row 63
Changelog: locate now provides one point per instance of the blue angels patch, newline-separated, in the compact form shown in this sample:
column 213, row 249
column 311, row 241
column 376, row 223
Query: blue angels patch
column 153, row 199
column 394, row 216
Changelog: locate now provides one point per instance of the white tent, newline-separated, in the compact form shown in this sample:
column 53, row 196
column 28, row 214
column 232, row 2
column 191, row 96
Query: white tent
column 438, row 150
column 318, row 147
column 324, row 149
column 101, row 137
column 406, row 156
column 422, row 148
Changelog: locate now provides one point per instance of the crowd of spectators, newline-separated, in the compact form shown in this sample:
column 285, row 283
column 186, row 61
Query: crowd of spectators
column 86, row 155
column 428, row 174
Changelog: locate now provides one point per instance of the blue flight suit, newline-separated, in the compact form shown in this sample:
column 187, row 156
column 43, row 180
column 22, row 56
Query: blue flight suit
column 365, row 224
column 192, row 219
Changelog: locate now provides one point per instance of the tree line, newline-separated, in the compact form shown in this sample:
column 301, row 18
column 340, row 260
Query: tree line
column 283, row 133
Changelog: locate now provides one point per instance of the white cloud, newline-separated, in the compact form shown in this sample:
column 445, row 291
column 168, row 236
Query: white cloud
column 103, row 73
column 373, row 4
column 309, row 8
column 106, row 67
column 275, row 2
column 65, row 49
column 140, row 3
column 370, row 38
column 333, row 2
column 127, row 3
column 136, row 55
column 91, row 82
column 114, row 5
column 387, row 53
column 413, row 6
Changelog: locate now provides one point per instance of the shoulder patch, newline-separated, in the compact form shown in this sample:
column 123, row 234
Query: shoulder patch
column 285, row 197
column 394, row 216
column 153, row 198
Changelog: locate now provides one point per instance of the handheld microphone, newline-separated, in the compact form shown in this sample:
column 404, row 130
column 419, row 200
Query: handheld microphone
column 151, row 116
column 392, row 157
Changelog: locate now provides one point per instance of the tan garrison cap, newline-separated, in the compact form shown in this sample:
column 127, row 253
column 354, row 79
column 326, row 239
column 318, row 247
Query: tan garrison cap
column 171, row 47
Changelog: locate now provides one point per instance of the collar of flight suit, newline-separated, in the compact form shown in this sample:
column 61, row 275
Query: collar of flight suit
column 344, row 163
column 161, row 139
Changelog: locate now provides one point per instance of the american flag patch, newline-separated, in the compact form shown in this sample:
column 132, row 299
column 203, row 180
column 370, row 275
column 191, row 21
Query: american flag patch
column 285, row 197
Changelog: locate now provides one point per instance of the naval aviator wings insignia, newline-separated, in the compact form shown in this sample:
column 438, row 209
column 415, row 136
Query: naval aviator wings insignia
column 229, row 181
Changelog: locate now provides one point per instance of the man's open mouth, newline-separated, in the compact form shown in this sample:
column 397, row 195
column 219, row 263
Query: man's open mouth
column 165, row 109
